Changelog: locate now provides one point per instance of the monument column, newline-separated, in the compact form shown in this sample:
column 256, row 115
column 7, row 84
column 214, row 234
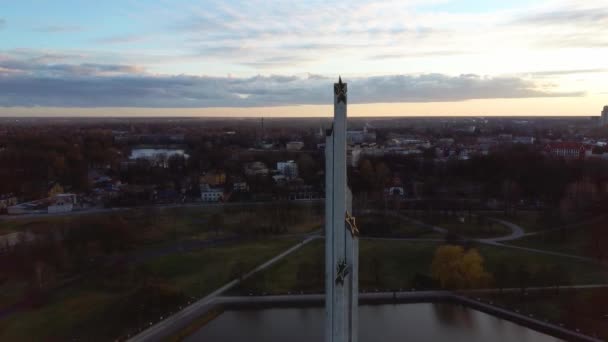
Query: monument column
column 341, row 243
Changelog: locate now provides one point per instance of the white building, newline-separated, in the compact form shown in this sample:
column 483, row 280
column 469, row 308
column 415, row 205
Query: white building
column 60, row 207
column 209, row 194
column 60, row 203
column 240, row 187
column 523, row 140
column 294, row 145
column 289, row 169
column 359, row 137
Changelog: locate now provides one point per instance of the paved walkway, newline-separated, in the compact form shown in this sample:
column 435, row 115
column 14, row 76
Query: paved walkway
column 517, row 232
column 180, row 319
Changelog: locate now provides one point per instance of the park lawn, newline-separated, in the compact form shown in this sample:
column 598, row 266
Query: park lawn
column 383, row 265
column 155, row 224
column 472, row 227
column 378, row 225
column 307, row 226
column 33, row 224
column 577, row 271
column 409, row 229
column 200, row 272
column 301, row 271
column 101, row 308
column 59, row 320
column 474, row 230
column 10, row 293
column 393, row 265
column 528, row 220
column 571, row 241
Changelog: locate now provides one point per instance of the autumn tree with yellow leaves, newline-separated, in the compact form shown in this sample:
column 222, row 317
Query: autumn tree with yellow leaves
column 456, row 268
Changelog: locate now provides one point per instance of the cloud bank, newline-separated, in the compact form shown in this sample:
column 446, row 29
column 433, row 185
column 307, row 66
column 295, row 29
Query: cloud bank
column 107, row 85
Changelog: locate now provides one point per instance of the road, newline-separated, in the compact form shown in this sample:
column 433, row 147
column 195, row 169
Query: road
column 517, row 232
column 154, row 206
column 180, row 319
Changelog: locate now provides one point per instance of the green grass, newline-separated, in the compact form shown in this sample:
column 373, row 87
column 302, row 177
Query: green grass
column 58, row 320
column 10, row 293
column 571, row 241
column 32, row 224
column 530, row 221
column 383, row 265
column 105, row 306
column 474, row 230
column 378, row 225
column 472, row 227
column 154, row 224
column 576, row 271
column 389, row 265
column 198, row 273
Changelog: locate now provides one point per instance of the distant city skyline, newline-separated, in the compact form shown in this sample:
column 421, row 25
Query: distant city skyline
column 277, row 58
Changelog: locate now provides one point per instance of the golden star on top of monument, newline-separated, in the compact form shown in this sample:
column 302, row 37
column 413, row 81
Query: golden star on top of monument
column 340, row 90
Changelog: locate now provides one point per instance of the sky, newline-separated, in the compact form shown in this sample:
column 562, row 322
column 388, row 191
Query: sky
column 280, row 58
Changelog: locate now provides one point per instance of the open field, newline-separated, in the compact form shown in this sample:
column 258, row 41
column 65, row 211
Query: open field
column 154, row 224
column 378, row 225
column 572, row 241
column 108, row 304
column 391, row 265
column 574, row 272
column 468, row 226
column 530, row 221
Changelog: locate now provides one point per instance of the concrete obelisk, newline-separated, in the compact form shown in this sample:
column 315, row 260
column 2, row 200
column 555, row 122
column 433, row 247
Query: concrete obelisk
column 341, row 241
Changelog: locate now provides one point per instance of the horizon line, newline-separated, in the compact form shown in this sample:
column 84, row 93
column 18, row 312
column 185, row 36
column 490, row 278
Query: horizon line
column 579, row 116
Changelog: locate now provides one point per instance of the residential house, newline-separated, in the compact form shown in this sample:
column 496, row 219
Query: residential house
column 567, row 150
column 6, row 201
column 209, row 194
column 294, row 145
column 256, row 169
column 289, row 169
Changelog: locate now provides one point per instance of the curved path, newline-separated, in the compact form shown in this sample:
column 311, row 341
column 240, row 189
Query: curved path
column 517, row 232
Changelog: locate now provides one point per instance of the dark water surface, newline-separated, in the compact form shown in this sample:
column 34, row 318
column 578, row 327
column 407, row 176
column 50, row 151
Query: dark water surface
column 387, row 323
